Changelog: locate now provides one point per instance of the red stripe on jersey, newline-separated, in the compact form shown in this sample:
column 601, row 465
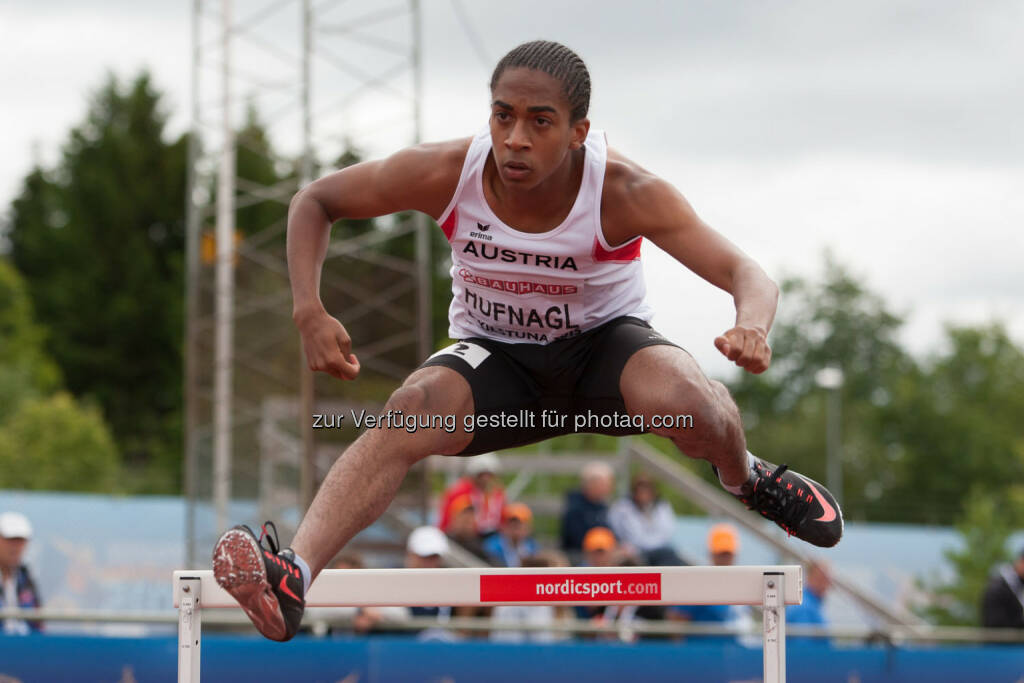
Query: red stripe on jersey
column 449, row 224
column 627, row 252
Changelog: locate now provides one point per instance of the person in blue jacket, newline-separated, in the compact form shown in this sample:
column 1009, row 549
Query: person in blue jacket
column 812, row 610
column 514, row 542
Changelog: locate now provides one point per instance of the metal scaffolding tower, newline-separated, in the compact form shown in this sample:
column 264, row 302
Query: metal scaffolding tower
column 280, row 94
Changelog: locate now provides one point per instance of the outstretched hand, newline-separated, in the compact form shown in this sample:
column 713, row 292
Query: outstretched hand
column 328, row 346
column 747, row 347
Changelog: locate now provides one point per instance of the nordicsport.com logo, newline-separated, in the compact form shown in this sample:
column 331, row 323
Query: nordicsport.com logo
column 546, row 588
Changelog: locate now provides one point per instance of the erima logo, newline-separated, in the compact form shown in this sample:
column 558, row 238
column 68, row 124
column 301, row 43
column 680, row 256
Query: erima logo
column 480, row 235
column 513, row 256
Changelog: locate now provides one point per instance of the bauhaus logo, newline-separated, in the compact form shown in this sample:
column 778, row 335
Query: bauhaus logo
column 517, row 286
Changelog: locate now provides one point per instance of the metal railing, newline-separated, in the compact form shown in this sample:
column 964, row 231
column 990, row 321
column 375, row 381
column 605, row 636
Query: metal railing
column 319, row 625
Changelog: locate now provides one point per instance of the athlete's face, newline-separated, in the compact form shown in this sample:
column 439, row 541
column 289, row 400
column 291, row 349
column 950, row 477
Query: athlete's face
column 531, row 131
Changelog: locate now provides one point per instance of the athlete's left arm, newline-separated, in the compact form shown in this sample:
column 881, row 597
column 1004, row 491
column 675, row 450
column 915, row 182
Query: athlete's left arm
column 641, row 203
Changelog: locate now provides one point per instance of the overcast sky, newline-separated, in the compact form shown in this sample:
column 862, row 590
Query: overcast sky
column 890, row 132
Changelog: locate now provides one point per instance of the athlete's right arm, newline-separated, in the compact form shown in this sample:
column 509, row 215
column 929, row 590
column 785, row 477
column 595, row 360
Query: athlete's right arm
column 421, row 178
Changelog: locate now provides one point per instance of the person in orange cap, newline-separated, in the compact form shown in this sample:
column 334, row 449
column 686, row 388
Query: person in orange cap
column 600, row 547
column 723, row 545
column 514, row 541
column 462, row 525
column 482, row 484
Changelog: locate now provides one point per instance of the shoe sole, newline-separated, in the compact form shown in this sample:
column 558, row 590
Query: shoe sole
column 239, row 569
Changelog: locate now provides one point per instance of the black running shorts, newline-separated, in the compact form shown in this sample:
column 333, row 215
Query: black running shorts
column 524, row 393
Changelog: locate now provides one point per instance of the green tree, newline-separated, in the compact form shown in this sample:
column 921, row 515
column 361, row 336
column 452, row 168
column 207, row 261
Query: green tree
column 917, row 436
column 837, row 322
column 257, row 165
column 984, row 528
column 26, row 371
column 100, row 242
column 56, row 444
column 956, row 423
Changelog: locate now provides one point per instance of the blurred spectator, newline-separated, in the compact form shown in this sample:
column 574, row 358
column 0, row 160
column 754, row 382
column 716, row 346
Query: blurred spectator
column 816, row 585
column 325, row 620
column 514, row 542
column 348, row 560
column 534, row 615
column 483, row 487
column 600, row 549
column 364, row 619
column 1002, row 604
column 462, row 526
column 588, row 507
column 723, row 546
column 19, row 590
column 645, row 522
column 425, row 549
column 462, row 530
column 552, row 558
column 626, row 616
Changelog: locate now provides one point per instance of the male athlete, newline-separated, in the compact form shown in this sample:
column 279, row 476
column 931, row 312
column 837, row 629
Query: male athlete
column 545, row 224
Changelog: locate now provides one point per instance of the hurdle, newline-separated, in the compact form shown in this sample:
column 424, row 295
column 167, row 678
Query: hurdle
column 771, row 587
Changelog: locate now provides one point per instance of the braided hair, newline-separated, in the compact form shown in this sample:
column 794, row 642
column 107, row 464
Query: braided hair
column 557, row 61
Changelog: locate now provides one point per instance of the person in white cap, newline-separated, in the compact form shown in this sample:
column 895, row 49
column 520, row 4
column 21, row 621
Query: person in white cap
column 425, row 549
column 19, row 589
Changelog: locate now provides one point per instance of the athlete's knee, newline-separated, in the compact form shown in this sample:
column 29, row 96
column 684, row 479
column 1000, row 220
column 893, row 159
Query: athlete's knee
column 679, row 396
column 722, row 393
column 694, row 410
column 438, row 390
column 431, row 424
column 411, row 399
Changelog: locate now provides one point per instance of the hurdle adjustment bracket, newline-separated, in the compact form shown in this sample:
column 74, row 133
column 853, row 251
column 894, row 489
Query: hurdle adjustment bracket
column 189, row 628
column 774, row 627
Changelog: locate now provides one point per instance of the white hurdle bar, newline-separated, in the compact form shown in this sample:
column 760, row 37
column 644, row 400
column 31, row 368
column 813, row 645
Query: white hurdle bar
column 772, row 587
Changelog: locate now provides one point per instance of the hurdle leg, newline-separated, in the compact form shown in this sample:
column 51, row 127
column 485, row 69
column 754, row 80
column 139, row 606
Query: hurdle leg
column 189, row 629
column 774, row 628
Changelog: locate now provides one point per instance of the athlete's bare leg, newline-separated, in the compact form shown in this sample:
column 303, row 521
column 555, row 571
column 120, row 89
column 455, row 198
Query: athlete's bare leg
column 364, row 479
column 665, row 380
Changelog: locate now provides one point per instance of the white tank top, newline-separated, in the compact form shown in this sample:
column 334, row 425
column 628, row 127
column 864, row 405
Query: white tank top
column 522, row 287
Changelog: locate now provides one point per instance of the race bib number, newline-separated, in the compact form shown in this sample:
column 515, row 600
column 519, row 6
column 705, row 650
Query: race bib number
column 474, row 354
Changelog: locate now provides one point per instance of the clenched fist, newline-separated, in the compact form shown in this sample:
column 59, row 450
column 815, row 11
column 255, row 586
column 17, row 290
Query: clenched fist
column 747, row 347
column 327, row 345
